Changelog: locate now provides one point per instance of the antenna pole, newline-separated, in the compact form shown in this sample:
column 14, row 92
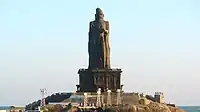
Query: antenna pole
column 43, row 93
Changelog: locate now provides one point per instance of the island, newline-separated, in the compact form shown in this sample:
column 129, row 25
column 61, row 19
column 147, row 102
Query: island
column 100, row 87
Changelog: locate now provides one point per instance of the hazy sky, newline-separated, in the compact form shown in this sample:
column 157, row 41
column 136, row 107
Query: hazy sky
column 43, row 43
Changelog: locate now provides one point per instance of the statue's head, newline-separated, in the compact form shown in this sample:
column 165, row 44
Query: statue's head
column 99, row 14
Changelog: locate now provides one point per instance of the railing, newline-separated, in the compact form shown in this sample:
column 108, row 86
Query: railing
column 116, row 69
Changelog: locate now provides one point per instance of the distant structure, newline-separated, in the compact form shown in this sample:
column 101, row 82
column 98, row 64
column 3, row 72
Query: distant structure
column 99, row 98
column 109, row 101
column 85, row 100
column 159, row 97
column 118, row 96
column 99, row 73
column 43, row 93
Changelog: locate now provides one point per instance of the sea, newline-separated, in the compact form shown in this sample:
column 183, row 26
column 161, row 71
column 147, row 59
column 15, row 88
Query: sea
column 186, row 108
column 191, row 108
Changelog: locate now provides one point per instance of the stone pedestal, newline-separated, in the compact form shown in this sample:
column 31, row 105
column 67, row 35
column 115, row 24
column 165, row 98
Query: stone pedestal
column 92, row 79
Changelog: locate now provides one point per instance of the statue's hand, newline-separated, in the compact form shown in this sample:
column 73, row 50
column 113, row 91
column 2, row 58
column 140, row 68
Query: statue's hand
column 103, row 30
column 106, row 31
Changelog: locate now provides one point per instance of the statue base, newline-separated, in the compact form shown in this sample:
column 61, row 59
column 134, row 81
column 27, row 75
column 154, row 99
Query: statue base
column 92, row 79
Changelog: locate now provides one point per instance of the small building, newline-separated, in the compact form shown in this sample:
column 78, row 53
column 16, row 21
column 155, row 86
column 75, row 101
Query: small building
column 159, row 97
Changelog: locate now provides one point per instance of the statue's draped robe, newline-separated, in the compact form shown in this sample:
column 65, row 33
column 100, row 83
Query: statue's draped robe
column 98, row 45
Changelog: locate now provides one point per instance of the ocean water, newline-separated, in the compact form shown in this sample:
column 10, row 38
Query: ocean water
column 191, row 108
column 4, row 107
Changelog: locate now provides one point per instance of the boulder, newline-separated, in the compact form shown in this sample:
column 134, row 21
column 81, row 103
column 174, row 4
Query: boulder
column 151, row 107
column 144, row 101
column 175, row 109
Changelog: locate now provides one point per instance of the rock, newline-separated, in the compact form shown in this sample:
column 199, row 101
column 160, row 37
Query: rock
column 157, row 107
column 144, row 101
column 175, row 109
column 151, row 107
column 134, row 108
column 142, row 108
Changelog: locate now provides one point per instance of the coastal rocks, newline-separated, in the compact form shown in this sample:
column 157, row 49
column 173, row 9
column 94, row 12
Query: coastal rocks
column 151, row 107
column 157, row 107
column 176, row 109
column 120, row 108
column 144, row 101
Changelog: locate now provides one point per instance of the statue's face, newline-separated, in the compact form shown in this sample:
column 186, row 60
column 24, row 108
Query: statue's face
column 99, row 13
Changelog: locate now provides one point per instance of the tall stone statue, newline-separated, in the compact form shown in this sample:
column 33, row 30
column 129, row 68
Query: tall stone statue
column 99, row 74
column 98, row 45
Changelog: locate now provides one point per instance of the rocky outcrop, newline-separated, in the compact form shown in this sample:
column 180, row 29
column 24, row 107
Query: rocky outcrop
column 151, row 107
column 142, row 104
column 57, row 97
column 176, row 109
column 144, row 101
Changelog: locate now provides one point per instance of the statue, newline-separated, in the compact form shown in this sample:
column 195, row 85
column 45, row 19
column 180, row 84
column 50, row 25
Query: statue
column 99, row 73
column 98, row 45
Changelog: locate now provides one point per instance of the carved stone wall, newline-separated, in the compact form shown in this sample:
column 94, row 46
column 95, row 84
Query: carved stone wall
column 91, row 80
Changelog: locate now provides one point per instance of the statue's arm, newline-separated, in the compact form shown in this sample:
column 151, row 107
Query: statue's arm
column 90, row 30
column 90, row 37
column 90, row 26
column 107, row 30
